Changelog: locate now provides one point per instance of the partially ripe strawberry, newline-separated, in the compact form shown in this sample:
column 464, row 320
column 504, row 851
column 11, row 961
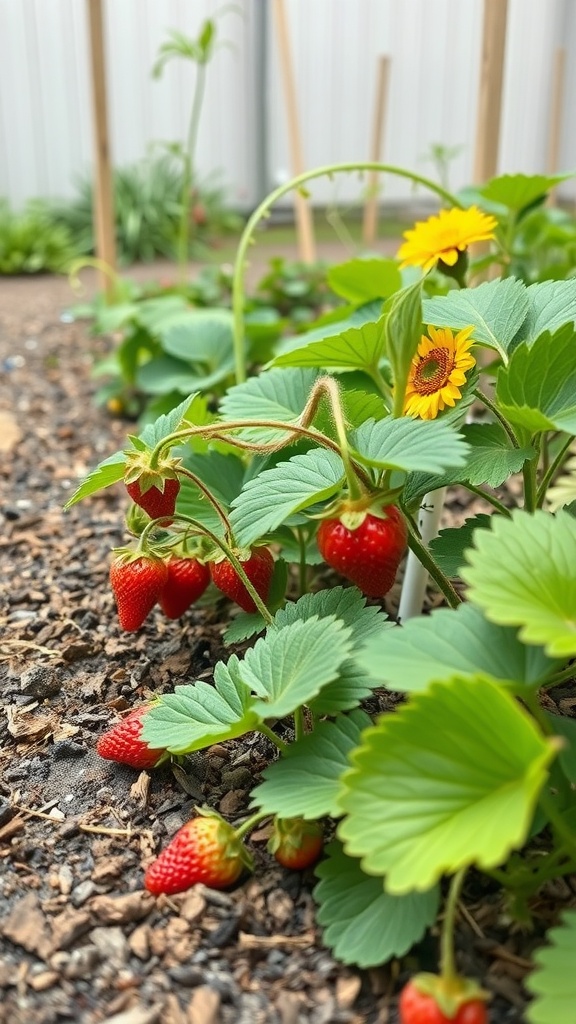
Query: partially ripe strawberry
column 259, row 568
column 429, row 999
column 137, row 584
column 156, row 501
column 205, row 850
column 123, row 742
column 296, row 843
column 186, row 582
column 365, row 548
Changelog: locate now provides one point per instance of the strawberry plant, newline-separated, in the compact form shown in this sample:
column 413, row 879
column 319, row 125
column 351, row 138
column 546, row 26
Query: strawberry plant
column 335, row 452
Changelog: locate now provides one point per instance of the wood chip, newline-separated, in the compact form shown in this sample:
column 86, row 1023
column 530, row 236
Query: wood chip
column 10, row 432
column 26, row 926
column 204, row 1007
column 246, row 941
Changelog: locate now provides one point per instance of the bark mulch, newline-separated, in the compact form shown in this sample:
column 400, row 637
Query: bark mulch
column 80, row 940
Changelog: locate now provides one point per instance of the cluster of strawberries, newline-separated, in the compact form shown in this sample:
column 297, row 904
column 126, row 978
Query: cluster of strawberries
column 140, row 581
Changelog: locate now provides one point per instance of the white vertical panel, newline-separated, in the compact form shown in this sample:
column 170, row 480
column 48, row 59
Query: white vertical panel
column 434, row 45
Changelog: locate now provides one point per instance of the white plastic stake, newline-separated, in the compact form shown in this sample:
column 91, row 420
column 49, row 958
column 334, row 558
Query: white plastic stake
column 416, row 576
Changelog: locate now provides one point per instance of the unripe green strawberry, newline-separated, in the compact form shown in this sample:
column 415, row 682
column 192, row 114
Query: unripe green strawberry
column 296, row 843
column 158, row 501
column 137, row 584
column 429, row 999
column 259, row 567
column 186, row 581
column 364, row 547
column 123, row 742
column 204, row 850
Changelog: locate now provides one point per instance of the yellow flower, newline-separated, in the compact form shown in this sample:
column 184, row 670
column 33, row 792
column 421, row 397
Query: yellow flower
column 444, row 237
column 438, row 372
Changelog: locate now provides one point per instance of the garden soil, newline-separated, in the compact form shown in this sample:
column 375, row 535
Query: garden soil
column 80, row 940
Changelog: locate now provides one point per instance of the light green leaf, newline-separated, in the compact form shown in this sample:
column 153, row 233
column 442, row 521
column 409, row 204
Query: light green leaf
column 553, row 982
column 449, row 780
column 403, row 321
column 206, row 337
column 195, row 716
column 446, row 643
column 106, row 473
column 242, row 627
column 449, row 546
column 321, row 756
column 409, row 444
column 168, row 423
column 537, row 390
column 223, row 475
column 496, row 310
column 155, row 315
column 288, row 667
column 192, row 502
column 551, row 304
column 566, row 728
column 516, row 191
column 491, row 459
column 347, row 604
column 279, row 394
column 268, row 499
column 332, row 325
column 522, row 572
column 350, row 687
column 356, row 348
column 362, row 924
column 361, row 280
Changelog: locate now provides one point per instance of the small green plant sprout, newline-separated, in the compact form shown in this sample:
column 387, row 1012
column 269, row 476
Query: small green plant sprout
column 327, row 455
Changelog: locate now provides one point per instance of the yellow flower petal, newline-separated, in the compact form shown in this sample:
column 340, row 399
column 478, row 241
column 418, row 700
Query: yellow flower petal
column 437, row 372
column 444, row 236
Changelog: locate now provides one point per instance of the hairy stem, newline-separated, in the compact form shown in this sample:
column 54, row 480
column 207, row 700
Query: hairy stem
column 447, row 962
column 498, row 415
column 266, row 731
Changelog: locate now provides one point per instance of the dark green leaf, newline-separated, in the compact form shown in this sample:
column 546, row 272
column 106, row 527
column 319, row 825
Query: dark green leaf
column 537, row 391
column 449, row 546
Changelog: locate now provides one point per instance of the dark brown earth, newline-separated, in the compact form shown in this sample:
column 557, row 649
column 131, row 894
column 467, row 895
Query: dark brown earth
column 79, row 938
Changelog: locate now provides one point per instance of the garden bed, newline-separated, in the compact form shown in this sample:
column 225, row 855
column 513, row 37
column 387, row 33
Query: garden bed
column 79, row 937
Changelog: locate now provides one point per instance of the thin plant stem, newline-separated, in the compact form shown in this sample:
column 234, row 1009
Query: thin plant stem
column 238, row 290
column 490, row 498
column 423, row 555
column 266, row 731
column 382, row 385
column 552, row 470
column 192, row 138
column 558, row 824
column 250, row 823
column 299, row 724
column 559, row 677
column 210, row 497
column 498, row 415
column 529, row 472
column 447, row 963
column 302, row 564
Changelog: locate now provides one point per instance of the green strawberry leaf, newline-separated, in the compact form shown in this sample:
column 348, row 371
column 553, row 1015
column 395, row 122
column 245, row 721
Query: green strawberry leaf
column 106, row 473
column 364, row 925
column 332, row 325
column 408, row 444
column 350, row 687
column 449, row 780
column 491, row 459
column 522, row 572
column 270, row 498
column 167, row 424
column 537, row 391
column 566, row 728
column 356, row 348
column 446, row 643
column 517, row 191
column 361, row 280
column 321, row 756
column 403, row 325
column 347, row 604
column 553, row 982
column 449, row 546
column 279, row 394
column 242, row 627
column 551, row 305
column 496, row 309
column 197, row 715
column 288, row 667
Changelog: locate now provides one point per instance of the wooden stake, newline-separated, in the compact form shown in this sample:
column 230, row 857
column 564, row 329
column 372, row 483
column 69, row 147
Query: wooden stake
column 370, row 222
column 304, row 223
column 490, row 93
column 556, row 112
column 103, row 193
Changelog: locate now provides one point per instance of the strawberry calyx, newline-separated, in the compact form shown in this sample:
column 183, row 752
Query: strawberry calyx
column 139, row 469
column 126, row 555
column 291, row 833
column 230, row 843
column 352, row 512
column 449, row 992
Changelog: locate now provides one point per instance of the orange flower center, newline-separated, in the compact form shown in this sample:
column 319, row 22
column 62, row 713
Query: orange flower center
column 433, row 371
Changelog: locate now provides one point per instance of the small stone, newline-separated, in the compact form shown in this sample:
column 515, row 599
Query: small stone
column 82, row 892
column 65, row 879
column 111, row 944
column 39, row 681
column 122, row 909
column 46, row 979
column 82, row 962
column 204, row 1007
column 69, row 926
column 193, row 907
column 139, row 942
column 64, row 749
column 26, row 926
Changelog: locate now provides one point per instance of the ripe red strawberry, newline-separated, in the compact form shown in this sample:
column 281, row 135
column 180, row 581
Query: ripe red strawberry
column 421, row 1007
column 155, row 501
column 296, row 843
column 136, row 584
column 365, row 548
column 258, row 568
column 123, row 742
column 205, row 850
column 186, row 582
